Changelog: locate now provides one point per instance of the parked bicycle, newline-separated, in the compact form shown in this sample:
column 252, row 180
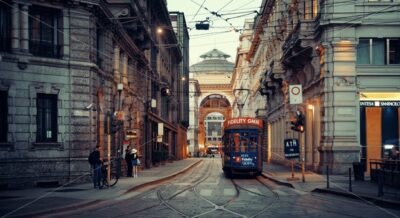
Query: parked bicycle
column 114, row 175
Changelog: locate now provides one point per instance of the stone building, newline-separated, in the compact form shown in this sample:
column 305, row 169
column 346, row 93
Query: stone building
column 65, row 65
column 346, row 57
column 179, row 24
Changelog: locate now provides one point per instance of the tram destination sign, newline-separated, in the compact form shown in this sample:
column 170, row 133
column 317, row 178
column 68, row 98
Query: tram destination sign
column 291, row 148
column 249, row 121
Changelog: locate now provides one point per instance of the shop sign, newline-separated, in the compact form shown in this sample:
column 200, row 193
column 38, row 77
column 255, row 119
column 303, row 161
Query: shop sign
column 380, row 103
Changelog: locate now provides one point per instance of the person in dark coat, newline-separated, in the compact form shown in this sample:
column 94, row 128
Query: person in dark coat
column 95, row 163
column 128, row 160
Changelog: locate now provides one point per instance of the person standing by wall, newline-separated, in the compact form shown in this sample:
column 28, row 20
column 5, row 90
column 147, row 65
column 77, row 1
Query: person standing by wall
column 128, row 160
column 135, row 161
column 95, row 163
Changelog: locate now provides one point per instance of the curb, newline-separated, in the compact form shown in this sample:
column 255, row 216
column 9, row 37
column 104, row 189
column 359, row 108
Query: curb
column 279, row 182
column 380, row 202
column 59, row 209
column 94, row 202
column 134, row 188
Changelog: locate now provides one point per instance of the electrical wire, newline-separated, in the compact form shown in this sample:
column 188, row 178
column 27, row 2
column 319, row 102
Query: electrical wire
column 194, row 16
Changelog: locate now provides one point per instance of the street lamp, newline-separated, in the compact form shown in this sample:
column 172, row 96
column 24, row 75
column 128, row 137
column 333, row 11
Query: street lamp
column 238, row 93
column 120, row 87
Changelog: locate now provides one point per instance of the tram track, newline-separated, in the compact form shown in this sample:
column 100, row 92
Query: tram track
column 216, row 206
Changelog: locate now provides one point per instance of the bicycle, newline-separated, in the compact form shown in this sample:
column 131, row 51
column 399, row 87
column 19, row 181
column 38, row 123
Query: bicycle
column 113, row 176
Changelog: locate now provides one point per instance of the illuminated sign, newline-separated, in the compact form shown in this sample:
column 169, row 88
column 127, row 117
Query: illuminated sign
column 380, row 103
column 243, row 121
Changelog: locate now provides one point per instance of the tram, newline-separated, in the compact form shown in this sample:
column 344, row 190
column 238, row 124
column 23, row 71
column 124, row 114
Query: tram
column 241, row 144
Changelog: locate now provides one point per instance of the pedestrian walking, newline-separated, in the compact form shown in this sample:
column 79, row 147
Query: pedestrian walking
column 95, row 163
column 135, row 162
column 128, row 161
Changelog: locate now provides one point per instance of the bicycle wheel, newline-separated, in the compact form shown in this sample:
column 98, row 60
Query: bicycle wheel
column 113, row 175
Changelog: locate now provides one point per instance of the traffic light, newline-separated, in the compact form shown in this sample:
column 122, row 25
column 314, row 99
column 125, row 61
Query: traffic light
column 298, row 124
column 114, row 124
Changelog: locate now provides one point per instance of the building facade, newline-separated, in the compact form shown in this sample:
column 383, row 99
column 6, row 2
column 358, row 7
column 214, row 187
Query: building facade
column 213, row 76
column 179, row 24
column 346, row 57
column 65, row 68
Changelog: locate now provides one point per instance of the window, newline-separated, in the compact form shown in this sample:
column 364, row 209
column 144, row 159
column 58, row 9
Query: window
column 378, row 51
column 310, row 9
column 46, row 119
column 3, row 116
column 394, row 51
column 5, row 27
column 45, row 33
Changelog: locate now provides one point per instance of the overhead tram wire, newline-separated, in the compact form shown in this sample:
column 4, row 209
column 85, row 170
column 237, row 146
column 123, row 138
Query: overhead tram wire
column 216, row 14
column 224, row 6
column 198, row 10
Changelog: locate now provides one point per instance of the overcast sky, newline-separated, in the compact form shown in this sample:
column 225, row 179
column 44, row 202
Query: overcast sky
column 220, row 35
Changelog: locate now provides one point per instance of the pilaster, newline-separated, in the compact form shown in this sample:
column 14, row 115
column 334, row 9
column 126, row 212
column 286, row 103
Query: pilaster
column 15, row 27
column 24, row 18
column 339, row 146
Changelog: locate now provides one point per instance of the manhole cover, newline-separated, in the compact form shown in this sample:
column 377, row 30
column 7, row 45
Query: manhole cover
column 70, row 190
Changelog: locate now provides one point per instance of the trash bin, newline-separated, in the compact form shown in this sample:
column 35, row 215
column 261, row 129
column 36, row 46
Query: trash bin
column 358, row 169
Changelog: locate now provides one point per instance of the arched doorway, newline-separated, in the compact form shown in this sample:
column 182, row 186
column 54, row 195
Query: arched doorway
column 216, row 107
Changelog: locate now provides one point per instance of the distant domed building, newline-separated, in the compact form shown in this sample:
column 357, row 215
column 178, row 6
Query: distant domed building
column 210, row 93
column 214, row 61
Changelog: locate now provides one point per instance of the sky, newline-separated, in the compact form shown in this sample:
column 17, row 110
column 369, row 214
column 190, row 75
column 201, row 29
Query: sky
column 221, row 34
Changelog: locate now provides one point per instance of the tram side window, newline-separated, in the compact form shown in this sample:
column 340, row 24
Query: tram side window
column 245, row 142
column 236, row 142
column 253, row 143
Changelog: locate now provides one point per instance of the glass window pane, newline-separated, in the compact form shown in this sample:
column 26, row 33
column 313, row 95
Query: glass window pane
column 394, row 51
column 379, row 51
column 363, row 51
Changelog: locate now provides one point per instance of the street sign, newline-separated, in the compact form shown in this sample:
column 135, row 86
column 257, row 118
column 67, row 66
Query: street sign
column 131, row 133
column 295, row 94
column 291, row 148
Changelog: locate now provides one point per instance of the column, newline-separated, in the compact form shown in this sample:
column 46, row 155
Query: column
column 66, row 34
column 24, row 40
column 15, row 27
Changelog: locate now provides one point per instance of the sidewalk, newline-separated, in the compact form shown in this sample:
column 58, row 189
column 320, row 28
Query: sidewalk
column 338, row 185
column 41, row 201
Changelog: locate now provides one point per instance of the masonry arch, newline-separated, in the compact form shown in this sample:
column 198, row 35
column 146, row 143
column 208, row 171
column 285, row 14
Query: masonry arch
column 212, row 104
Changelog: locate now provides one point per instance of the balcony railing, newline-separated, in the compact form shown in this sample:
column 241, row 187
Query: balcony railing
column 45, row 49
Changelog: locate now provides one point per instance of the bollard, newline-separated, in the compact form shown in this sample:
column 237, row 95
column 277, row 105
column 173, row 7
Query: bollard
column 380, row 183
column 350, row 188
column 327, row 176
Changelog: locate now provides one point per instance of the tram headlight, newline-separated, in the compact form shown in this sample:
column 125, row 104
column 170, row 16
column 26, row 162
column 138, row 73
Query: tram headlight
column 238, row 159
